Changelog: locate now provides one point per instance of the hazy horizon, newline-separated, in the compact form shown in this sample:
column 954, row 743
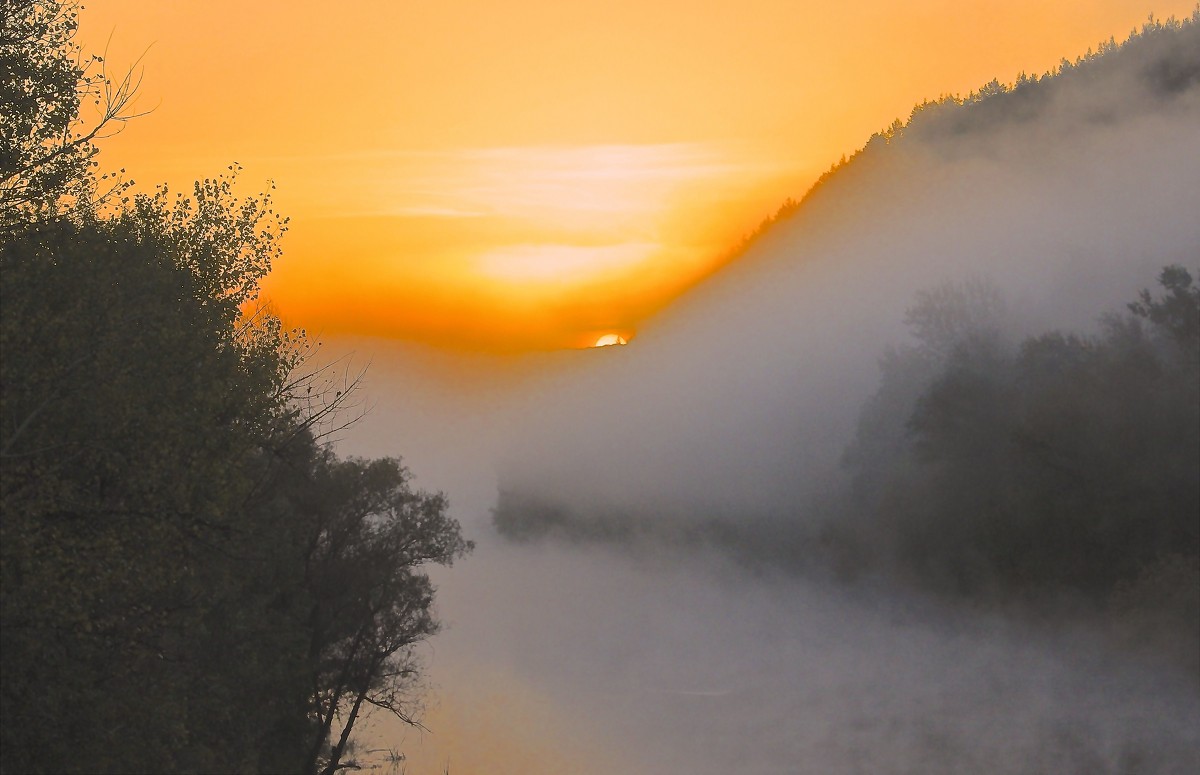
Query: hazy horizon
column 538, row 174
column 738, row 403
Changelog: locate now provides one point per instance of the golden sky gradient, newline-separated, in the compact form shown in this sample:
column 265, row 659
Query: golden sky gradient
column 538, row 173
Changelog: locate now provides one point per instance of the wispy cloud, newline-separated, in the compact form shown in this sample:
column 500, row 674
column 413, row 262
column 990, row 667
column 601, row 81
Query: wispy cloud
column 586, row 186
column 562, row 263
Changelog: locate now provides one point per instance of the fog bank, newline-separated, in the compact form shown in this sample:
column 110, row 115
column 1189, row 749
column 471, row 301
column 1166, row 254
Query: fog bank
column 737, row 404
column 741, row 398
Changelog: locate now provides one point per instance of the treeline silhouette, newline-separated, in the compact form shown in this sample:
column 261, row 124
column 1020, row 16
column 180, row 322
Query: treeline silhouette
column 1163, row 55
column 1058, row 472
column 1062, row 465
column 973, row 443
column 191, row 579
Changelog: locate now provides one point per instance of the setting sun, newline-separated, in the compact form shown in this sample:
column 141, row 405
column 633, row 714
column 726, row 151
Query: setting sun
column 609, row 339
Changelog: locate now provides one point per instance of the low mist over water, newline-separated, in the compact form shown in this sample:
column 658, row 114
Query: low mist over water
column 566, row 657
column 671, row 616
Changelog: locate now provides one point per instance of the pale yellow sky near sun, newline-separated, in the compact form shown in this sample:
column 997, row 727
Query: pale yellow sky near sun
column 537, row 174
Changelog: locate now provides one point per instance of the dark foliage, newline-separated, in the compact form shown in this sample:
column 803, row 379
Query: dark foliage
column 189, row 579
column 1068, row 465
column 128, row 449
column 46, row 145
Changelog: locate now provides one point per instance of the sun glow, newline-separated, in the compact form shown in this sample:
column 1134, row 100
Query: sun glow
column 608, row 340
column 534, row 173
column 536, row 246
column 570, row 264
column 575, row 187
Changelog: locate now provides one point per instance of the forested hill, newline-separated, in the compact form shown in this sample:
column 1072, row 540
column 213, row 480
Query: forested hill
column 1154, row 68
column 930, row 367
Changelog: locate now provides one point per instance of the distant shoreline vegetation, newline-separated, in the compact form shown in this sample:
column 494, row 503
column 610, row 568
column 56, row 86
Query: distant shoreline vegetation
column 1064, row 466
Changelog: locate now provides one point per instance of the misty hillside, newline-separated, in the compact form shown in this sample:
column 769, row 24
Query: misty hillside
column 1014, row 219
column 1146, row 73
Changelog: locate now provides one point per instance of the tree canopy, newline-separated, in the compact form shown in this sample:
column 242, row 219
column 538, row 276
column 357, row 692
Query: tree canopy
column 1063, row 465
column 191, row 579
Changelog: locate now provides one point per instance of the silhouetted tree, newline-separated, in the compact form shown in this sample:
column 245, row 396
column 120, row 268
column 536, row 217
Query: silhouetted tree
column 1177, row 312
column 1072, row 463
column 189, row 580
column 46, row 146
column 369, row 604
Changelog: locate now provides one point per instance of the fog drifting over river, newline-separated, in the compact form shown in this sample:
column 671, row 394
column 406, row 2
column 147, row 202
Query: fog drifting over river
column 569, row 658
column 738, row 402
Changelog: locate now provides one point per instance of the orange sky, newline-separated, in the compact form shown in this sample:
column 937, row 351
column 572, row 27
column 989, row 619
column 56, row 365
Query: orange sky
column 529, row 174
